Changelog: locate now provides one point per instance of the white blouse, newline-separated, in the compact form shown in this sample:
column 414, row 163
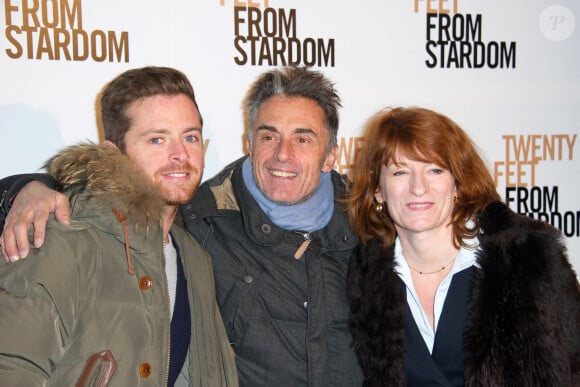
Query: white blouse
column 465, row 259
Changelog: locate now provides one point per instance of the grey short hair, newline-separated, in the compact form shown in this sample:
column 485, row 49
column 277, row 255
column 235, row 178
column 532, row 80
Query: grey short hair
column 295, row 82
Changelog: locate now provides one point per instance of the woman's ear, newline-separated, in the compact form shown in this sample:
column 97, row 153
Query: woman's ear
column 379, row 195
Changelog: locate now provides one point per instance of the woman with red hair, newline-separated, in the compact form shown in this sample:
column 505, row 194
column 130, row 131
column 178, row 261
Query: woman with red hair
column 448, row 286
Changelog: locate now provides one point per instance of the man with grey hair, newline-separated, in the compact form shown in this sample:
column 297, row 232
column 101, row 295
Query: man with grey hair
column 279, row 238
column 275, row 226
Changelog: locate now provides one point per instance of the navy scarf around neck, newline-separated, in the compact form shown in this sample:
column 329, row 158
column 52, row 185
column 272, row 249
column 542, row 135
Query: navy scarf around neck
column 310, row 215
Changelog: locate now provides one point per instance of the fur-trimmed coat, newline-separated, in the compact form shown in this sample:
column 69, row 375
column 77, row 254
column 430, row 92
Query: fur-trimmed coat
column 523, row 308
column 91, row 306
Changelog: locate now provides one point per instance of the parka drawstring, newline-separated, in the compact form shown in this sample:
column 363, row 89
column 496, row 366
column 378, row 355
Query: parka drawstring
column 123, row 219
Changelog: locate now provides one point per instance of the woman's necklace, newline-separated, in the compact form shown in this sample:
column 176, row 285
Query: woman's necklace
column 435, row 271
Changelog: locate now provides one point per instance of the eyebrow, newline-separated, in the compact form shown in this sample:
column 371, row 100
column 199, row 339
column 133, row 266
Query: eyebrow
column 188, row 130
column 165, row 131
column 296, row 131
column 394, row 165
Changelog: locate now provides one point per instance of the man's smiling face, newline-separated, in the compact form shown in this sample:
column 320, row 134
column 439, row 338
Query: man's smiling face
column 289, row 148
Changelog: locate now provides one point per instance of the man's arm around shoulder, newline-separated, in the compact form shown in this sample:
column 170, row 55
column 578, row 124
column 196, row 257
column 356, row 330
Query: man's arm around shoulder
column 28, row 202
column 9, row 187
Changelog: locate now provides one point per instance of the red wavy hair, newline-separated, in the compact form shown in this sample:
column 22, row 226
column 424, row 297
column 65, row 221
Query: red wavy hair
column 423, row 135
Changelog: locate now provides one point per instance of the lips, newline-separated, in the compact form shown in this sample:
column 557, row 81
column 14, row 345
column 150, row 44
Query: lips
column 176, row 174
column 179, row 173
column 278, row 173
column 419, row 206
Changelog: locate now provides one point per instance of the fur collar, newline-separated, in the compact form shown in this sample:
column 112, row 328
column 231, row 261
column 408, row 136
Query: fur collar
column 107, row 176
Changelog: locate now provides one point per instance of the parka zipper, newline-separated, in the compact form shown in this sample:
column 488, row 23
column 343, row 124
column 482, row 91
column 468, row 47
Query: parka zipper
column 302, row 248
column 168, row 301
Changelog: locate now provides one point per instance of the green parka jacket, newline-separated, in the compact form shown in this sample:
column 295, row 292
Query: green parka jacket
column 74, row 314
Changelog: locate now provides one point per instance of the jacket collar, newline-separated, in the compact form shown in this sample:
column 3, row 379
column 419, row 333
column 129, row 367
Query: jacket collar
column 226, row 192
column 260, row 228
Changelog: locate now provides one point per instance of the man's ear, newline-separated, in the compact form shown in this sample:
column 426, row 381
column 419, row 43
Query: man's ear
column 249, row 148
column 328, row 164
column 109, row 143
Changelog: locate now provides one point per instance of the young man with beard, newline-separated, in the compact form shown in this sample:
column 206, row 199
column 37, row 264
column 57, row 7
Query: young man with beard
column 122, row 295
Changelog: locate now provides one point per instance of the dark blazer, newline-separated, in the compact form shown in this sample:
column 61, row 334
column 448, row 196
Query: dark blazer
column 522, row 326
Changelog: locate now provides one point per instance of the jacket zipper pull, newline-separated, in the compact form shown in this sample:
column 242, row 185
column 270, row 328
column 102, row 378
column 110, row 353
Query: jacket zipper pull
column 300, row 252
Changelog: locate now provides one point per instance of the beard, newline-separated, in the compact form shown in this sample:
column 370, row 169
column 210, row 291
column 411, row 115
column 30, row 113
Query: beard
column 177, row 197
column 178, row 192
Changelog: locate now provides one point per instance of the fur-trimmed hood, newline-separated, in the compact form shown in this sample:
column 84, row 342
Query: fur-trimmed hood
column 108, row 177
column 101, row 181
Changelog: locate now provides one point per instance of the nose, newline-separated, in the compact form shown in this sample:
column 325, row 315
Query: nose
column 178, row 152
column 418, row 186
column 284, row 150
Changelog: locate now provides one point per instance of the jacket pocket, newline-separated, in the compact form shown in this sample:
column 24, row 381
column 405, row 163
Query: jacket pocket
column 98, row 370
